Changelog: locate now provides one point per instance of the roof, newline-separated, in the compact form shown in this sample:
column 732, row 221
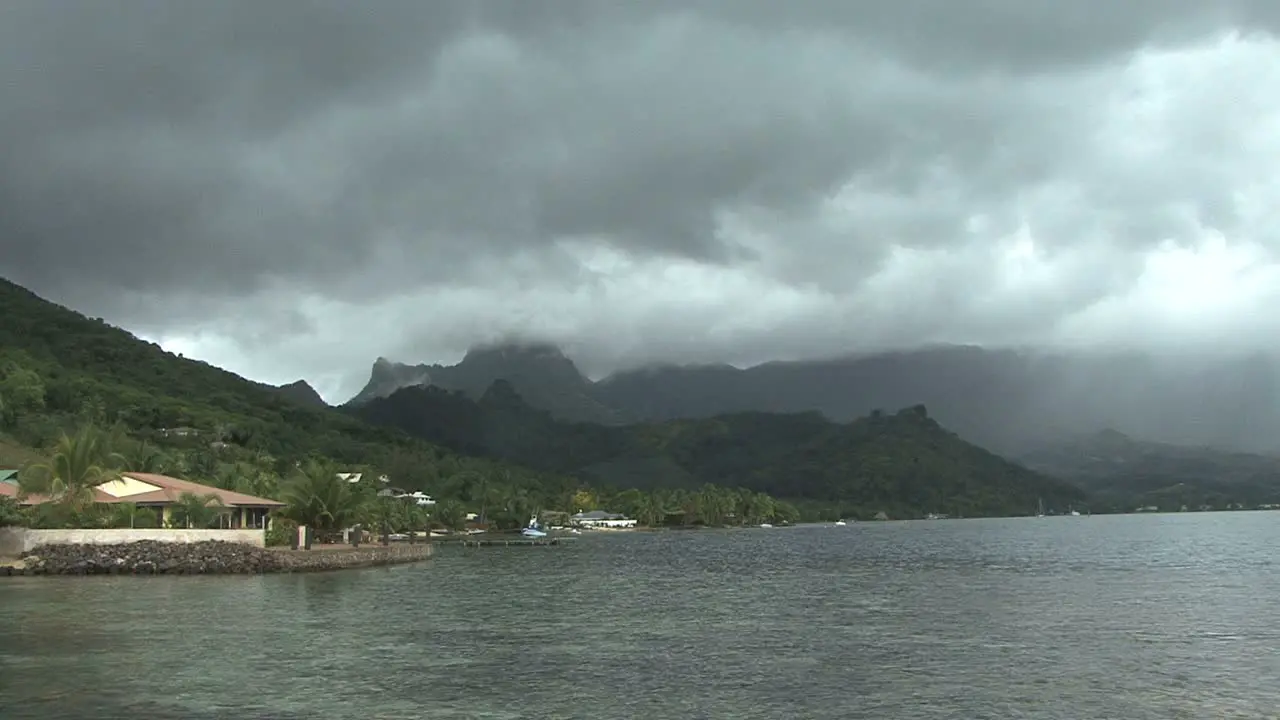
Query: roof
column 155, row 489
column 8, row 474
column 8, row 490
column 171, row 488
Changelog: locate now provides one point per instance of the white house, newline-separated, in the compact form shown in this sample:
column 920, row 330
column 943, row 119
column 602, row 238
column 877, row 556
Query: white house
column 602, row 519
column 355, row 477
column 417, row 497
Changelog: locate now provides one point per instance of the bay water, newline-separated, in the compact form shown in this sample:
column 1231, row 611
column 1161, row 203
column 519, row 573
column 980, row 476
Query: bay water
column 1133, row 617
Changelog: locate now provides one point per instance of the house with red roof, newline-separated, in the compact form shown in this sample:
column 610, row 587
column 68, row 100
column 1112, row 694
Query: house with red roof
column 161, row 493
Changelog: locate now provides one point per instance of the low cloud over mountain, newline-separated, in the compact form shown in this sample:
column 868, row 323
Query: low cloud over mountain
column 290, row 189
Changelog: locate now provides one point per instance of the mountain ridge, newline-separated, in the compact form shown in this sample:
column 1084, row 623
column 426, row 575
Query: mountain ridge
column 540, row 371
column 1008, row 400
column 903, row 463
column 1140, row 473
column 74, row 370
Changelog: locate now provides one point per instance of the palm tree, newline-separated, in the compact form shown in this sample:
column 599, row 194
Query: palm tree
column 247, row 478
column 478, row 488
column 417, row 518
column 682, row 501
column 627, row 502
column 652, row 511
column 79, row 464
column 316, row 497
column 129, row 515
column 784, row 512
column 384, row 513
column 518, row 507
column 197, row 511
column 137, row 455
column 450, row 515
column 760, row 509
column 712, row 505
column 743, row 505
column 203, row 465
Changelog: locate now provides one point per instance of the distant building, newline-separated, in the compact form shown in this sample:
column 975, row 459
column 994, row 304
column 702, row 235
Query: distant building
column 601, row 519
column 355, row 477
column 418, row 497
column 179, row 432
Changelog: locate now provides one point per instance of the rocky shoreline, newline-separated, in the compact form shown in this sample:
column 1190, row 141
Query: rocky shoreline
column 149, row 557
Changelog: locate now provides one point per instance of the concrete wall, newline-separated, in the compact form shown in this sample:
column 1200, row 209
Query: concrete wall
column 11, row 541
column 15, row 541
column 343, row 558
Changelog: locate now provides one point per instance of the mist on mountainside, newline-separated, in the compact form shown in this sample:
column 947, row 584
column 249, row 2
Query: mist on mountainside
column 1006, row 400
column 902, row 463
column 1132, row 473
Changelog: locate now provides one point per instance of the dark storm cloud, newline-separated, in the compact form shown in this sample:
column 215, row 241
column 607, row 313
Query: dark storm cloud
column 206, row 165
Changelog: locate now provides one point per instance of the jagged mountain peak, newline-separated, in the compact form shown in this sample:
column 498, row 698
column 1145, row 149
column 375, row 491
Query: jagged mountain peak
column 386, row 377
column 538, row 372
column 300, row 391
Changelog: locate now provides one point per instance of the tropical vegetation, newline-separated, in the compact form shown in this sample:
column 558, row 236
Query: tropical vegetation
column 70, row 384
column 902, row 464
column 317, row 494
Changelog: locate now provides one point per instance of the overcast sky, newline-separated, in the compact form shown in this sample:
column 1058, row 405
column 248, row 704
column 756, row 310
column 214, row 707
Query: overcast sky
column 291, row 189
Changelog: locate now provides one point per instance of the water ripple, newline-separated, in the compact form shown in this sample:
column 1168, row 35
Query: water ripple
column 1159, row 617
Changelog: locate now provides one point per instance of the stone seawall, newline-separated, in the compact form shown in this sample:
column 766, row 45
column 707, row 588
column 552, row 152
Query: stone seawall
column 343, row 558
column 149, row 557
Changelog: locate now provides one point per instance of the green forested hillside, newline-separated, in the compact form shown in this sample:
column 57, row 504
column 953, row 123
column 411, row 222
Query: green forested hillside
column 61, row 372
column 62, row 368
column 903, row 464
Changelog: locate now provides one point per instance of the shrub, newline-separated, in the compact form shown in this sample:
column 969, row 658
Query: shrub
column 281, row 533
column 10, row 513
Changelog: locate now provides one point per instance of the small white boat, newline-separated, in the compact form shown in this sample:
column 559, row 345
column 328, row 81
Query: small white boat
column 841, row 523
column 765, row 525
column 532, row 531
